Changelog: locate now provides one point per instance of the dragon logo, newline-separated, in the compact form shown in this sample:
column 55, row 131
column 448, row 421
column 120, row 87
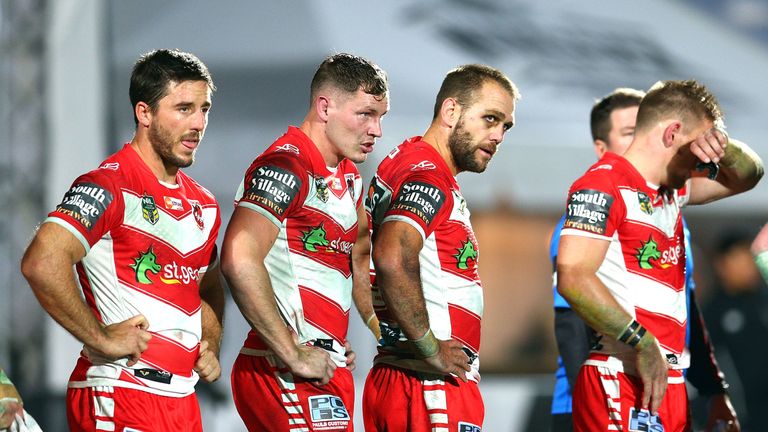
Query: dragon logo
column 465, row 253
column 146, row 262
column 313, row 238
column 646, row 252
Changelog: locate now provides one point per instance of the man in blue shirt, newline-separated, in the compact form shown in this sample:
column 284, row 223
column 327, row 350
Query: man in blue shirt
column 612, row 122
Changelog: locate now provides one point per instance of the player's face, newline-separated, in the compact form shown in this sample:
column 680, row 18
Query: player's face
column 622, row 129
column 354, row 123
column 481, row 128
column 179, row 122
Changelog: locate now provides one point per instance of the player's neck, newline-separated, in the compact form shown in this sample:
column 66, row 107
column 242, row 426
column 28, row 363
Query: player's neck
column 438, row 139
column 148, row 155
column 648, row 160
column 315, row 130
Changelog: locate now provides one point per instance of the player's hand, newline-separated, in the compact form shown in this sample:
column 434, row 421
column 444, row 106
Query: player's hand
column 450, row 359
column 312, row 363
column 350, row 355
column 207, row 364
column 10, row 405
column 722, row 416
column 710, row 145
column 127, row 338
column 652, row 368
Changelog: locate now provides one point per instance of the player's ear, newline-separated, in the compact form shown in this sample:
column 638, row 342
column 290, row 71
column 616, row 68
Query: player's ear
column 322, row 104
column 143, row 114
column 671, row 132
column 450, row 112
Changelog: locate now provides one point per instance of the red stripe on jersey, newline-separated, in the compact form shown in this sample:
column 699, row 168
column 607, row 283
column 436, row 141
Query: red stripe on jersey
column 191, row 301
column 324, row 313
column 664, row 328
column 174, row 357
column 465, row 326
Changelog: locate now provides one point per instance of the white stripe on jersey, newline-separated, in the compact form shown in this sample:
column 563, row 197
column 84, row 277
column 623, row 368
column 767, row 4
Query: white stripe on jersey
column 664, row 221
column 166, row 230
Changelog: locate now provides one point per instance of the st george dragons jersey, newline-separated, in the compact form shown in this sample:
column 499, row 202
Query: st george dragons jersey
column 644, row 268
column 414, row 185
column 147, row 246
column 315, row 208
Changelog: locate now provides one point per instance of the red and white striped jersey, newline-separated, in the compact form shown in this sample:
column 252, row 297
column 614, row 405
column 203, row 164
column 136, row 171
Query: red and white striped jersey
column 147, row 246
column 414, row 185
column 644, row 268
column 315, row 208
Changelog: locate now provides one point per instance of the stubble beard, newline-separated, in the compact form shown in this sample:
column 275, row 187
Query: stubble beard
column 163, row 143
column 463, row 151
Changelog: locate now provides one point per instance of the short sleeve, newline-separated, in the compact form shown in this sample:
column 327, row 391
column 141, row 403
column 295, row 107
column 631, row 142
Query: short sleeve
column 91, row 207
column 274, row 186
column 423, row 200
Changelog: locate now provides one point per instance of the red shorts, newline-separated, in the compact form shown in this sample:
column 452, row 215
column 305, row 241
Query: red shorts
column 124, row 409
column 269, row 398
column 606, row 400
column 399, row 400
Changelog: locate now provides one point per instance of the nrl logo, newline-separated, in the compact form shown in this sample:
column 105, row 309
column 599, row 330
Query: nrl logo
column 313, row 238
column 645, row 203
column 146, row 262
column 465, row 253
column 322, row 189
column 149, row 209
column 646, row 252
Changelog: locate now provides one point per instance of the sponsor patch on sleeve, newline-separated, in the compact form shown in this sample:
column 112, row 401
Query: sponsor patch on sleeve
column 588, row 210
column 422, row 199
column 86, row 203
column 273, row 188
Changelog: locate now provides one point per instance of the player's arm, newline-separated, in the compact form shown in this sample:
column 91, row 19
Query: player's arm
column 396, row 259
column 47, row 266
column 705, row 374
column 740, row 167
column 212, row 317
column 247, row 241
column 578, row 260
column 361, row 279
column 759, row 250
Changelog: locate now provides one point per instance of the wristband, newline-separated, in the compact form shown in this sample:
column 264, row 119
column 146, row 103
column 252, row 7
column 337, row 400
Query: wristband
column 629, row 330
column 427, row 345
column 636, row 337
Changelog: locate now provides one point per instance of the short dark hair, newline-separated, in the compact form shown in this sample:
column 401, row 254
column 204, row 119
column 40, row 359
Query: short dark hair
column 687, row 100
column 465, row 81
column 349, row 73
column 600, row 117
column 155, row 70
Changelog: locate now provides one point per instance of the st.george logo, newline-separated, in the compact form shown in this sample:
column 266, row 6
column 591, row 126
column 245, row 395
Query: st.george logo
column 146, row 262
column 465, row 253
column 646, row 252
column 314, row 238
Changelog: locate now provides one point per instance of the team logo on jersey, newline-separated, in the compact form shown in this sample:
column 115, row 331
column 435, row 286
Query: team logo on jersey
column 588, row 210
column 468, row 427
column 287, row 147
column 314, row 238
column 465, row 253
column 197, row 213
column 273, row 188
column 173, row 203
column 375, row 194
column 350, row 179
column 423, row 166
column 642, row 421
column 149, row 209
column 328, row 412
column 85, row 202
column 672, row 359
column 146, row 262
column 645, row 203
column 422, row 199
column 646, row 252
column 172, row 273
column 322, row 189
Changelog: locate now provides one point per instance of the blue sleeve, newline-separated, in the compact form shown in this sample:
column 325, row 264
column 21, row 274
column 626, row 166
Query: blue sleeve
column 553, row 245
